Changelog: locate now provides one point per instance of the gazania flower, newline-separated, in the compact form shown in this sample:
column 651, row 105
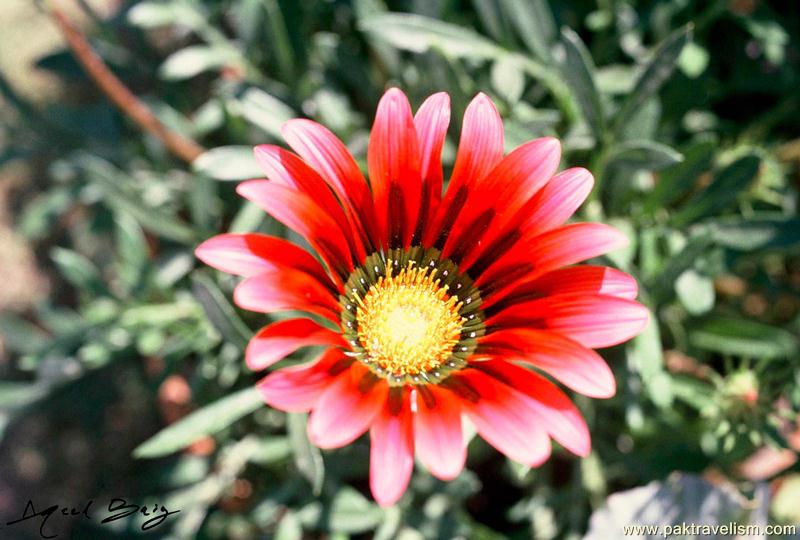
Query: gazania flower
column 431, row 308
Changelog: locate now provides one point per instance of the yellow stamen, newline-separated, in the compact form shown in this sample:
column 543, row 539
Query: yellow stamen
column 407, row 323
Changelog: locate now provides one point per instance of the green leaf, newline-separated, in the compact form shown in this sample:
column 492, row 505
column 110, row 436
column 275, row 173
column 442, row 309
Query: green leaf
column 695, row 291
column 219, row 311
column 77, row 269
column 132, row 250
column 658, row 70
column 743, row 337
column 679, row 179
column 721, row 193
column 352, row 513
column 535, row 25
column 508, row 78
column 289, row 528
column 578, row 71
column 19, row 335
column 418, row 34
column 228, row 163
column 662, row 286
column 265, row 111
column 762, row 232
column 307, row 457
column 648, row 155
column 202, row 422
column 193, row 60
column 153, row 15
column 645, row 356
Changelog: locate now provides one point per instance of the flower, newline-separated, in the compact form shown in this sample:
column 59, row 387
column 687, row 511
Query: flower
column 431, row 308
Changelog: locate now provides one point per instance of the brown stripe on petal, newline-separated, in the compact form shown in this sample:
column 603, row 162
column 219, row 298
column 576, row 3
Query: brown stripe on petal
column 395, row 400
column 515, row 273
column 472, row 234
column 493, row 252
column 424, row 204
column 396, row 215
column 450, row 217
column 461, row 387
column 427, row 396
column 339, row 366
column 367, row 381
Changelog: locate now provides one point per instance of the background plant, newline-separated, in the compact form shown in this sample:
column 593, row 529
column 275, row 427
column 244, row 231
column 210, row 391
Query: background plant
column 686, row 112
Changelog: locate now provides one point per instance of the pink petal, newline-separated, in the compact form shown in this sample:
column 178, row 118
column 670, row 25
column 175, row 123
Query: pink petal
column 286, row 290
column 431, row 122
column 297, row 388
column 504, row 419
column 303, row 215
column 251, row 254
column 288, row 169
column 393, row 162
column 592, row 321
column 479, row 151
column 391, row 457
column 437, row 433
column 328, row 155
column 572, row 364
column 558, row 200
column 278, row 340
column 343, row 411
column 553, row 408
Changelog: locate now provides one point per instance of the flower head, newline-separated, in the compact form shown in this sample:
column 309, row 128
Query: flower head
column 431, row 308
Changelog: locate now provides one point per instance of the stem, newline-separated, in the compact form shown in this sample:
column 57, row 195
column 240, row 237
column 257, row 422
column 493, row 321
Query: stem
column 119, row 94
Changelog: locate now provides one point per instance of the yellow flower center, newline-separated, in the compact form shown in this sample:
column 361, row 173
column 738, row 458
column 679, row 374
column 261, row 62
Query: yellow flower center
column 407, row 322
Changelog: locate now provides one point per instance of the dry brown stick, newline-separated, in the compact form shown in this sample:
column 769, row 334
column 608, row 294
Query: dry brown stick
column 119, row 94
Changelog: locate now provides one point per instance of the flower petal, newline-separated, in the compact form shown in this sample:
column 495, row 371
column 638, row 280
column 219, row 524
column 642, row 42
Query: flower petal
column 251, row 254
column 431, row 122
column 391, row 456
column 393, row 161
column 330, row 158
column 593, row 321
column 284, row 290
column 499, row 196
column 345, row 409
column 558, row 200
column 437, row 433
column 297, row 388
column 479, row 151
column 503, row 418
column 555, row 411
column 572, row 364
column 303, row 215
column 288, row 169
column 278, row 340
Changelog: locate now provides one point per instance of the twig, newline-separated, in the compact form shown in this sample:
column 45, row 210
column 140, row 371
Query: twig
column 119, row 94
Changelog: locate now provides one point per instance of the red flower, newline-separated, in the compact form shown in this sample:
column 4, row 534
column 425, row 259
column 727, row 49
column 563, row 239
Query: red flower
column 431, row 308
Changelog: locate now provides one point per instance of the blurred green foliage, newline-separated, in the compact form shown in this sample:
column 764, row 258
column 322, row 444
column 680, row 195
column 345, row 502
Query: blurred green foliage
column 686, row 113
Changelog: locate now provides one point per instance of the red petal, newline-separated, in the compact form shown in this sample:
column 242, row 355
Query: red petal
column 278, row 340
column 555, row 411
column 431, row 122
column 572, row 364
column 504, row 419
column 297, row 388
column 328, row 155
column 479, row 151
column 563, row 246
column 592, row 321
column 251, row 254
column 437, row 433
column 502, row 193
column 303, row 215
column 557, row 201
column 343, row 412
column 286, row 290
column 288, row 169
column 391, row 457
column 393, row 160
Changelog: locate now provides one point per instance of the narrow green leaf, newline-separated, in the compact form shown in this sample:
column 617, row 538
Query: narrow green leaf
column 202, row 422
column 695, row 291
column 658, row 70
column 219, row 311
column 662, row 286
column 645, row 356
column 648, row 155
column 418, row 34
column 228, row 163
column 265, row 111
column 679, row 179
column 289, row 527
column 761, row 232
column 578, row 71
column 743, row 337
column 535, row 25
column 307, row 457
column 721, row 193
column 508, row 78
column 352, row 513
column 77, row 269
column 193, row 60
